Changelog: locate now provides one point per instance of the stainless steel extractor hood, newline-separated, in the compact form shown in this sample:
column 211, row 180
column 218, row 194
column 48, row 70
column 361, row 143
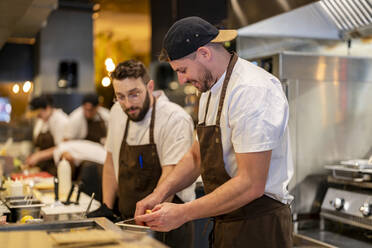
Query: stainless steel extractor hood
column 23, row 18
column 352, row 17
column 326, row 19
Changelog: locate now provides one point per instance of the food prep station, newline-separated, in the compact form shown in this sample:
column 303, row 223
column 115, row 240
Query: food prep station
column 39, row 214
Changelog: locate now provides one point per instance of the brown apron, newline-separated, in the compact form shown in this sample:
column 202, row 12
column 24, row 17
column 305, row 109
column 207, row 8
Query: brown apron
column 263, row 222
column 96, row 130
column 45, row 141
column 139, row 173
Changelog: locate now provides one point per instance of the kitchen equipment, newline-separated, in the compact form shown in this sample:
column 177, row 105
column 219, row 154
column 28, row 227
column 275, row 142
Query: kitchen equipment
column 125, row 221
column 81, row 188
column 129, row 238
column 130, row 225
column 16, row 188
column 329, row 110
column 64, row 178
column 13, row 198
column 67, row 202
column 56, row 184
column 357, row 163
column 355, row 173
column 84, row 215
column 348, row 207
column 21, row 208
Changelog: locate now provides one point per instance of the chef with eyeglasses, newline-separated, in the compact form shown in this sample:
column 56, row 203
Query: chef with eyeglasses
column 147, row 136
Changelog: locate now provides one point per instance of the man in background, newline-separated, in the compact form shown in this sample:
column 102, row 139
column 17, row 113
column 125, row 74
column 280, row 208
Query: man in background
column 89, row 121
column 47, row 133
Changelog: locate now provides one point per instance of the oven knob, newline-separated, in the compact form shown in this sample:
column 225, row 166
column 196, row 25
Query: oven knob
column 366, row 209
column 338, row 203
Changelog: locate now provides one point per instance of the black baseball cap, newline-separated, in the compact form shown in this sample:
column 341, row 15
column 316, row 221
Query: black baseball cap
column 188, row 34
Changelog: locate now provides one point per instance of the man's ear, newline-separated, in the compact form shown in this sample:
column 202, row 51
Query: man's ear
column 150, row 86
column 204, row 53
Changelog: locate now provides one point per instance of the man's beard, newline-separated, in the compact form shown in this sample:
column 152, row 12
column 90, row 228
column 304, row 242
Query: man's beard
column 143, row 110
column 204, row 80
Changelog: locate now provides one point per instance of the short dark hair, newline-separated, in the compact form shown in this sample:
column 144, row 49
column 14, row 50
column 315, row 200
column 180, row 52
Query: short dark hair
column 131, row 69
column 90, row 98
column 41, row 102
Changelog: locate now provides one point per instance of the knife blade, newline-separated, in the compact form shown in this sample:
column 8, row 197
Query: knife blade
column 125, row 221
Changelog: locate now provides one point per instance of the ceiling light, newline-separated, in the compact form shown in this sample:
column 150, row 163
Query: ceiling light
column 106, row 82
column 110, row 65
column 27, row 86
column 15, row 89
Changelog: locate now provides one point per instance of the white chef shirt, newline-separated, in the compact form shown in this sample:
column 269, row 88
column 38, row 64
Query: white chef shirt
column 254, row 118
column 77, row 127
column 173, row 134
column 81, row 150
column 56, row 124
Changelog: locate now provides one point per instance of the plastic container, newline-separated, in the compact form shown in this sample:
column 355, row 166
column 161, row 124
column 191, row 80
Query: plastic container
column 16, row 188
column 64, row 178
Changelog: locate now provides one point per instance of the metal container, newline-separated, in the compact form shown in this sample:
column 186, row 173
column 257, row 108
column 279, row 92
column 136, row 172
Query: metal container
column 21, row 208
column 18, row 198
column 133, row 228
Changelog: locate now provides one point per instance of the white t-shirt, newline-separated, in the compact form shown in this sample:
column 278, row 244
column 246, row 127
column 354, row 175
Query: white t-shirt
column 81, row 150
column 77, row 127
column 254, row 118
column 173, row 135
column 56, row 124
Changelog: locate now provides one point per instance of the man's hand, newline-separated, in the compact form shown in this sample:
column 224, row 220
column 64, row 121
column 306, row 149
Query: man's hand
column 164, row 217
column 33, row 159
column 148, row 203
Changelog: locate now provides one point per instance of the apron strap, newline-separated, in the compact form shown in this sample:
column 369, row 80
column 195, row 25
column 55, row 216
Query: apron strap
column 230, row 67
column 126, row 130
column 206, row 111
column 152, row 123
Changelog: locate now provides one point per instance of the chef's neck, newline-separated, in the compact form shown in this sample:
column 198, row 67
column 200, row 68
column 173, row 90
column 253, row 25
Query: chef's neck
column 220, row 63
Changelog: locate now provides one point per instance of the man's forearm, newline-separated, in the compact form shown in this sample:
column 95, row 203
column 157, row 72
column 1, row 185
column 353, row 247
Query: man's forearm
column 46, row 154
column 183, row 175
column 246, row 186
column 109, row 183
column 230, row 196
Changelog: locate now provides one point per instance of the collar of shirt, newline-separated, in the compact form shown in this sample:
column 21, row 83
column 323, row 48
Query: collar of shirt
column 215, row 88
column 160, row 95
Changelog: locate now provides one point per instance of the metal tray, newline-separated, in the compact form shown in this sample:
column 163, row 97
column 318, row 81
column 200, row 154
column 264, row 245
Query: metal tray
column 94, row 223
column 61, row 226
column 132, row 227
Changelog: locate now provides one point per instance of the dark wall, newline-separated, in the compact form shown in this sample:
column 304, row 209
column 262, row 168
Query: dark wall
column 165, row 12
column 16, row 63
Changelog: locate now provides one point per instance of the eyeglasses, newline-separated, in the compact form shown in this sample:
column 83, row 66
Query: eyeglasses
column 133, row 97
